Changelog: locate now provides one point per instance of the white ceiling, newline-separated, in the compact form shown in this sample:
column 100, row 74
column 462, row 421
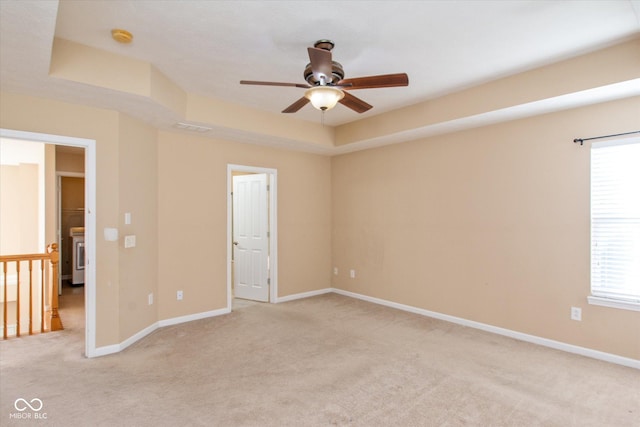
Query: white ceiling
column 206, row 47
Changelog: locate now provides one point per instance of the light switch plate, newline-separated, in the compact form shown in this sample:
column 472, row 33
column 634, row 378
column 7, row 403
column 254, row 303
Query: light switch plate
column 129, row 241
column 110, row 234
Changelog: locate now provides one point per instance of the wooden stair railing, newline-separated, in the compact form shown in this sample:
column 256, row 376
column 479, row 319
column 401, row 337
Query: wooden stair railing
column 48, row 288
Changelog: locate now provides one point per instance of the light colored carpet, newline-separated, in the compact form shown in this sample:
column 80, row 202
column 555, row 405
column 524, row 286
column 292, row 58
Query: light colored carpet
column 321, row 361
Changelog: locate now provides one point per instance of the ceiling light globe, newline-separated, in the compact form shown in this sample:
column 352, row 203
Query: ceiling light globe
column 324, row 97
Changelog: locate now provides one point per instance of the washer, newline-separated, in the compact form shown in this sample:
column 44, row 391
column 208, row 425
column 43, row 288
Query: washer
column 77, row 255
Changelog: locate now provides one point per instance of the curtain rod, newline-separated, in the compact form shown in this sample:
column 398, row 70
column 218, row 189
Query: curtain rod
column 582, row 140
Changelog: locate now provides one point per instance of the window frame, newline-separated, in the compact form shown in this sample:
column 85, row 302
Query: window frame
column 595, row 299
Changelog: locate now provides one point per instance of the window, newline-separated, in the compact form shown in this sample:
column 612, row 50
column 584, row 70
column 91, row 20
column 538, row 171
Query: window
column 615, row 224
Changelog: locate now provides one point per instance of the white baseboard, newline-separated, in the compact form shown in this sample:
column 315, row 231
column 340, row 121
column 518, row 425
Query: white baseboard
column 138, row 336
column 11, row 330
column 558, row 345
column 24, row 327
column 105, row 350
column 116, row 348
column 304, row 295
column 191, row 317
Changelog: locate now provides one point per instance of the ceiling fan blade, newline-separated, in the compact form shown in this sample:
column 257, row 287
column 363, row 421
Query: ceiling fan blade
column 372, row 82
column 321, row 64
column 252, row 82
column 296, row 105
column 355, row 103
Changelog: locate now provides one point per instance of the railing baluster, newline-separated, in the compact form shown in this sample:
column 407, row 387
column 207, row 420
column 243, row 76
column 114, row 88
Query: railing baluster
column 18, row 299
column 42, row 296
column 30, row 297
column 5, row 304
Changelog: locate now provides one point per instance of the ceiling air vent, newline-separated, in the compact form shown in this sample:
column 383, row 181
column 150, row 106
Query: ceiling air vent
column 191, row 128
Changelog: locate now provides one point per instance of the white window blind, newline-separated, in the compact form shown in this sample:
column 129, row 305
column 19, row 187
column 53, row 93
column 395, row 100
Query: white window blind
column 615, row 220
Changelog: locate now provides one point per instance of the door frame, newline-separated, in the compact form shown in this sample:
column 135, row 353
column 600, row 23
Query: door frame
column 89, row 146
column 273, row 228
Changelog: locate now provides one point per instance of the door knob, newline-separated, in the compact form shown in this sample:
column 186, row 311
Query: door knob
column 235, row 243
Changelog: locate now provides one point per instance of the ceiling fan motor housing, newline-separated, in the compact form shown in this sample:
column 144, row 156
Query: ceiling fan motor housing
column 337, row 74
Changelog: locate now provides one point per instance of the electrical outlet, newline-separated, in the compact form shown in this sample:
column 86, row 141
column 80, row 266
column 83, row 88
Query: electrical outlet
column 179, row 295
column 335, row 271
column 576, row 313
column 151, row 298
column 352, row 274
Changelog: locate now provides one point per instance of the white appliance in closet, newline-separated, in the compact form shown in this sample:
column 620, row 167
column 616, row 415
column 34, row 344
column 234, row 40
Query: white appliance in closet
column 77, row 256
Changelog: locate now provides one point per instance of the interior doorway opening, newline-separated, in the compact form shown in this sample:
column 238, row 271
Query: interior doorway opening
column 70, row 232
column 70, row 220
column 261, row 254
column 89, row 147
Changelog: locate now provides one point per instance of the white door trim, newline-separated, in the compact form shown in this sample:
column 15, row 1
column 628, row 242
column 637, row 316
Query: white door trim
column 273, row 228
column 90, row 221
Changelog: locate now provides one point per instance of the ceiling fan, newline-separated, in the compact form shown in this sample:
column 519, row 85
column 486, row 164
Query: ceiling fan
column 326, row 85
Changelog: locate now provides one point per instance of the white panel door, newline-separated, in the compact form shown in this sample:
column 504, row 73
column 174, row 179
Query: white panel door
column 251, row 237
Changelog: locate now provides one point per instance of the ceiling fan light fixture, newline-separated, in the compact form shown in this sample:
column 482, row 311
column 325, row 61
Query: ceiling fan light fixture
column 324, row 97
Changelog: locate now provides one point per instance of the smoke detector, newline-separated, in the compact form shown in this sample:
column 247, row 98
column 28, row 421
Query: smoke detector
column 121, row 36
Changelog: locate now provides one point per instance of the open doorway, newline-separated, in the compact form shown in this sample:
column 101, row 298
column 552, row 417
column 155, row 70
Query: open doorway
column 89, row 157
column 70, row 207
column 251, row 234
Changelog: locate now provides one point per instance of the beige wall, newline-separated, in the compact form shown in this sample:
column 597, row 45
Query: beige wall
column 138, row 195
column 47, row 116
column 21, row 219
column 612, row 65
column 69, row 162
column 19, row 207
column 490, row 225
column 126, row 182
column 174, row 186
column 192, row 215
